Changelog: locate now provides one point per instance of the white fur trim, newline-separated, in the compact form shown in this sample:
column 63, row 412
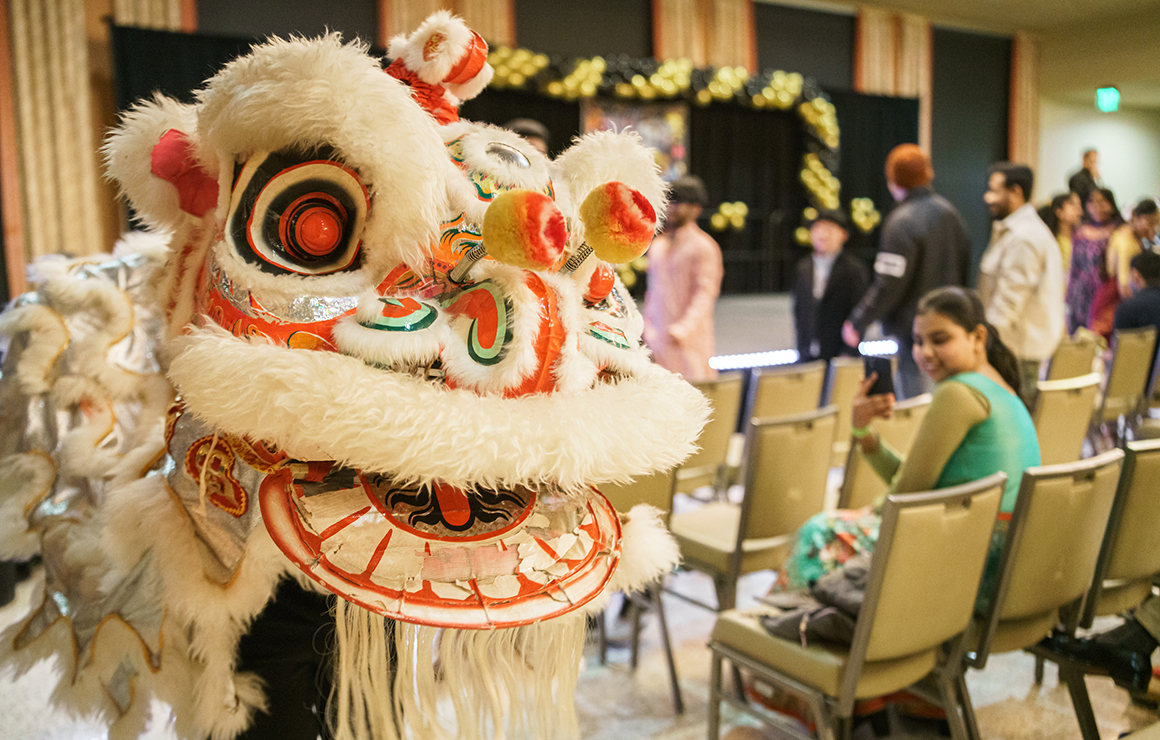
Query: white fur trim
column 145, row 519
column 25, row 479
column 128, row 152
column 606, row 156
column 410, row 47
column 647, row 552
column 399, row 350
column 385, row 422
column 475, row 85
column 47, row 340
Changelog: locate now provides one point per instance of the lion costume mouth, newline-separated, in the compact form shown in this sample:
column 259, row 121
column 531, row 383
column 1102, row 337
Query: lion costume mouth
column 438, row 555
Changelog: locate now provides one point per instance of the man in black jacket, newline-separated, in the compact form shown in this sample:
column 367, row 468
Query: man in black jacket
column 1087, row 179
column 828, row 285
column 924, row 246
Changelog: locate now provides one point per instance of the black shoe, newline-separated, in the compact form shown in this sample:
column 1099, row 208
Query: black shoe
column 1130, row 669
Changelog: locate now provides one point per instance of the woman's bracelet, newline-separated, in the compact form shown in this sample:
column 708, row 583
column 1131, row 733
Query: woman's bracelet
column 860, row 432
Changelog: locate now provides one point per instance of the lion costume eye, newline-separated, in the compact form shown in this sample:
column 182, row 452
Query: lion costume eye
column 298, row 212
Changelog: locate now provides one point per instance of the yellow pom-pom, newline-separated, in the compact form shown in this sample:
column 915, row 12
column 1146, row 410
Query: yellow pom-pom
column 619, row 222
column 525, row 229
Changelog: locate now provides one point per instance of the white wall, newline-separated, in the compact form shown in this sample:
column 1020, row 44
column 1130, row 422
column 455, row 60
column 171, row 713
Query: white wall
column 1128, row 142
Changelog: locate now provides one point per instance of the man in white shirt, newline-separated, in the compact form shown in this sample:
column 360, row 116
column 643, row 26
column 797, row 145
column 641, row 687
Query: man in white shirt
column 1021, row 274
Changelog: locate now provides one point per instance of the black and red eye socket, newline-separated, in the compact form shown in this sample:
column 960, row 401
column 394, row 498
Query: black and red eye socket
column 298, row 213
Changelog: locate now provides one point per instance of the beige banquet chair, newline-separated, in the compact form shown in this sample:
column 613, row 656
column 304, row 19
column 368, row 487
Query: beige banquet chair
column 655, row 490
column 861, row 486
column 924, row 576
column 1049, row 556
column 785, row 391
column 786, row 467
column 1123, row 400
column 706, row 466
column 1062, row 416
column 846, row 374
column 1074, row 356
column 1129, row 559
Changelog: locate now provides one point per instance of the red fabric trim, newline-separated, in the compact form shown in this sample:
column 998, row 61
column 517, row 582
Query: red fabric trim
column 430, row 97
column 172, row 160
column 470, row 63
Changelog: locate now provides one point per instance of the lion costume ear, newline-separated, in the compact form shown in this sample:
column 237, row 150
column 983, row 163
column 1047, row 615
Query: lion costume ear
column 443, row 51
column 154, row 157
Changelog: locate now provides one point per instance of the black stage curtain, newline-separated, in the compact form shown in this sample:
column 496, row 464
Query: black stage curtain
column 871, row 126
column 743, row 154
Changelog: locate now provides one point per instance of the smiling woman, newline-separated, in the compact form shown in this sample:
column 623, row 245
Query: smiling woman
column 976, row 426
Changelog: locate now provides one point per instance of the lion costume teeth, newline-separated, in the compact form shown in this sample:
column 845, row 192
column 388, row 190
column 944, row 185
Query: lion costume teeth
column 377, row 355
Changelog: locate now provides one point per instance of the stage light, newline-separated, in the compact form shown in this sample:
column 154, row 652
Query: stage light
column 879, row 347
column 1107, row 99
column 754, row 359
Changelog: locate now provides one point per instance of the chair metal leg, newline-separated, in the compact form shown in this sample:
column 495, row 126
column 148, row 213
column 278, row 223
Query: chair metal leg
column 1039, row 662
column 828, row 727
column 1080, row 701
column 738, row 683
column 953, row 707
column 726, row 592
column 655, row 594
column 636, row 610
column 968, row 710
column 602, row 635
column 715, row 697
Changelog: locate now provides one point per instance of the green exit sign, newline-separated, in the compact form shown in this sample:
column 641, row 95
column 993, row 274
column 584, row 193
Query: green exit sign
column 1107, row 99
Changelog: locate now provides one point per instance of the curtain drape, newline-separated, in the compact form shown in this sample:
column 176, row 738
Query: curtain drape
column 163, row 14
column 715, row 33
column 1023, row 134
column 494, row 20
column 54, row 121
column 892, row 56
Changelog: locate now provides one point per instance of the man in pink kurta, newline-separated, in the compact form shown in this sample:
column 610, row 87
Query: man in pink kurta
column 684, row 279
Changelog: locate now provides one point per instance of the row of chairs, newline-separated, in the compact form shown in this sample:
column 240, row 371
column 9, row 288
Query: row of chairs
column 1080, row 543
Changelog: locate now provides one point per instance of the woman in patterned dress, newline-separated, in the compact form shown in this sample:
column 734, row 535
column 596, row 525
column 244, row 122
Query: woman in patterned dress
column 1089, row 247
column 976, row 426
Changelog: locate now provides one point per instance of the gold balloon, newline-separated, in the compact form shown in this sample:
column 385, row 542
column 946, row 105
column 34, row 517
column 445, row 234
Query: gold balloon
column 587, row 89
column 741, row 208
column 555, row 87
column 718, row 222
column 625, row 90
column 599, row 64
column 726, row 209
column 638, row 81
column 802, row 235
column 516, row 79
column 737, row 221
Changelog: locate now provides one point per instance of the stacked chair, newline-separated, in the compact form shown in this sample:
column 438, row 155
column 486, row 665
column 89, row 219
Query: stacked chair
column 785, row 391
column 1074, row 357
column 1125, row 393
column 708, row 465
column 861, row 486
column 1048, row 559
column 787, row 463
column 655, row 490
column 1062, row 416
column 846, row 374
column 1129, row 558
column 921, row 592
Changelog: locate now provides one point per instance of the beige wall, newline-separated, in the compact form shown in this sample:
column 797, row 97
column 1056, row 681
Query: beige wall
column 1120, row 51
column 1128, row 143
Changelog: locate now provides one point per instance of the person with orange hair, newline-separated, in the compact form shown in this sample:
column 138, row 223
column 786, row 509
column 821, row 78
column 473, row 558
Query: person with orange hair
column 924, row 246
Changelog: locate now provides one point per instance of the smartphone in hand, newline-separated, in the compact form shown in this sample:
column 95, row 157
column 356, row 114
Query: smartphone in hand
column 882, row 366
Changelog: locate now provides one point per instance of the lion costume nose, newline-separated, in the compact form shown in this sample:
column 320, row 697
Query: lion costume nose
column 525, row 229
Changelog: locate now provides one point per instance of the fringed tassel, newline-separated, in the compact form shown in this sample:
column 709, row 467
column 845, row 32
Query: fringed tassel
column 507, row 684
column 504, row 684
column 360, row 705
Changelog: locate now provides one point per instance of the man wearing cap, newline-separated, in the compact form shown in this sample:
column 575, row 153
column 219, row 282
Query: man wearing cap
column 828, row 284
column 924, row 246
column 684, row 279
column 1021, row 274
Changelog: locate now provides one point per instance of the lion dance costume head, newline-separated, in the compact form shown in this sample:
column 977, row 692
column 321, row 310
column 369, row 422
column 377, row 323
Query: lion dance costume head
column 384, row 352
